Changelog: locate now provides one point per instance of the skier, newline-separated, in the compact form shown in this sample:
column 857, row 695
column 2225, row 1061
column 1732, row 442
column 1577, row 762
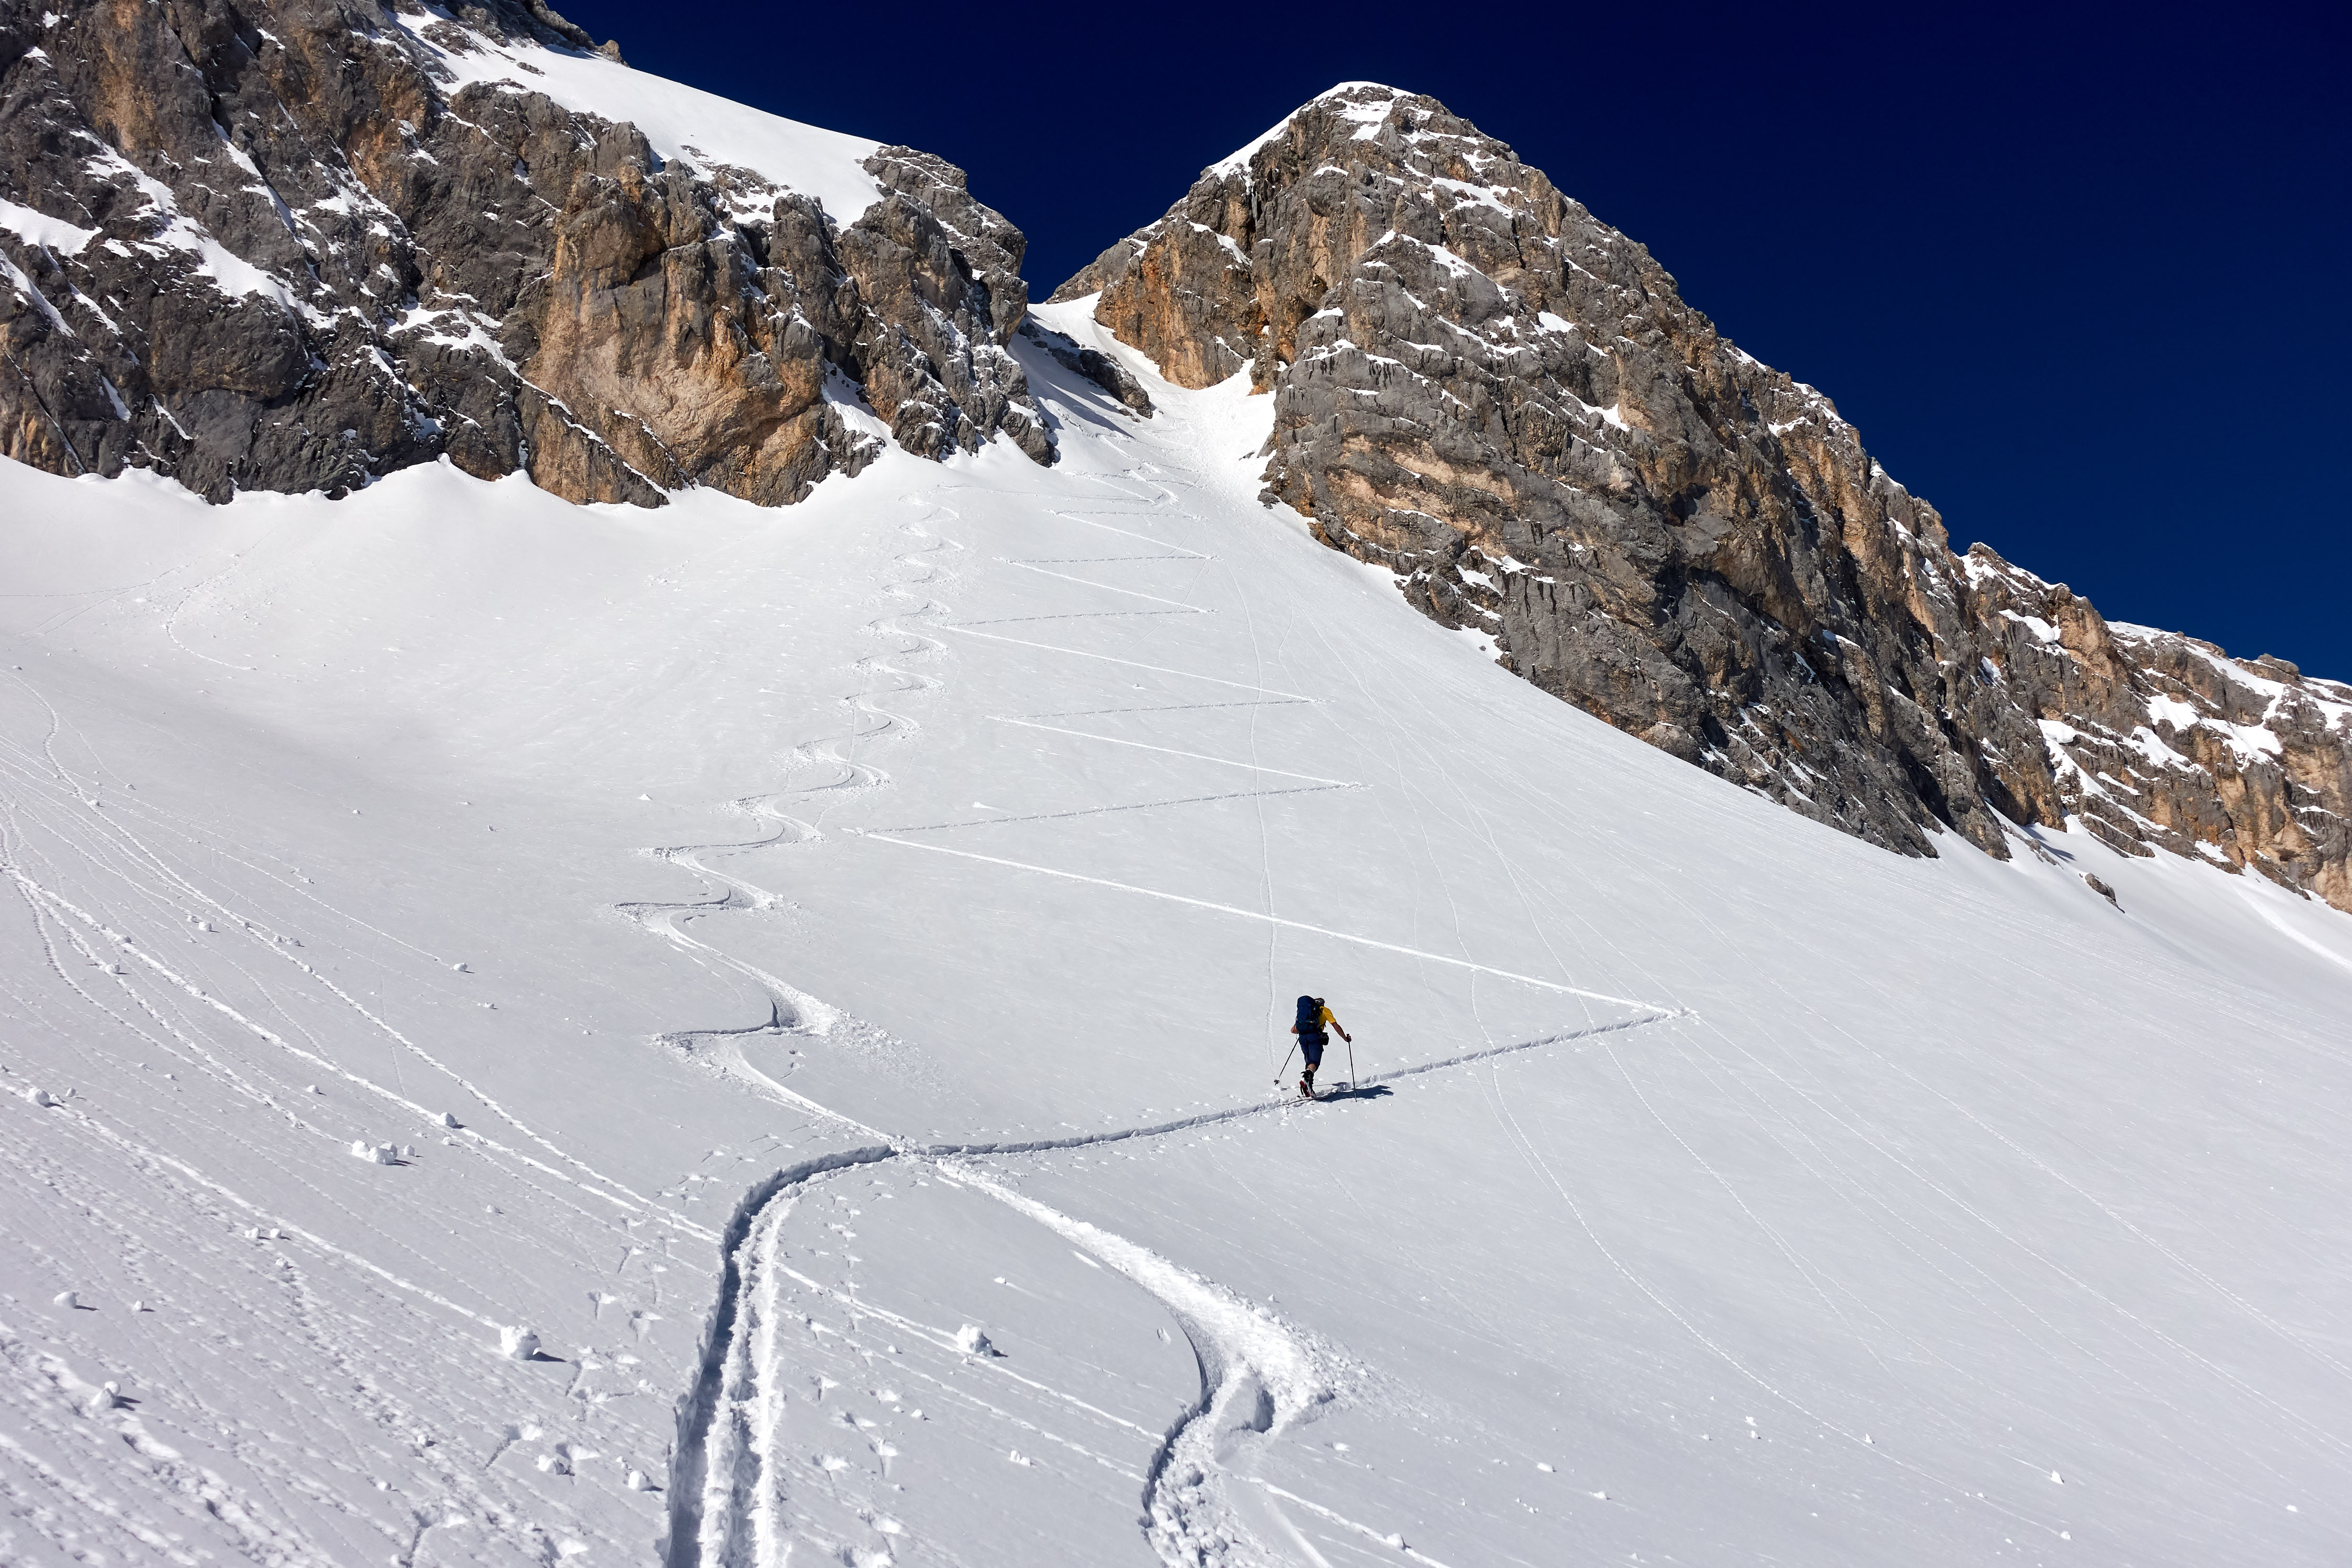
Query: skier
column 1312, row 1016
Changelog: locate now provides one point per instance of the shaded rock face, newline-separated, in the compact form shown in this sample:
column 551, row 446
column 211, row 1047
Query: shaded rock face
column 1482, row 387
column 275, row 246
column 1093, row 364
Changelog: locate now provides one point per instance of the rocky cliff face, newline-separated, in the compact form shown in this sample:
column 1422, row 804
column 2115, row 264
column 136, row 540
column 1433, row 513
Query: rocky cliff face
column 297, row 244
column 1506, row 402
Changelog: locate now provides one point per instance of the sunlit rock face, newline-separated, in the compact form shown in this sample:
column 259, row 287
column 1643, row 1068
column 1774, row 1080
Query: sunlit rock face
column 1506, row 402
column 302, row 244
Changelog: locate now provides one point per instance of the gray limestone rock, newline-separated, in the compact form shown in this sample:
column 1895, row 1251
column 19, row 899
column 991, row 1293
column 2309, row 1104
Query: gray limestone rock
column 278, row 247
column 1093, row 364
column 1482, row 387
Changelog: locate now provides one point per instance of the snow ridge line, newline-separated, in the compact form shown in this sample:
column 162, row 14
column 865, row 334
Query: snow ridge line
column 1171, row 750
column 697, row 1408
column 1107, row 810
column 1270, row 920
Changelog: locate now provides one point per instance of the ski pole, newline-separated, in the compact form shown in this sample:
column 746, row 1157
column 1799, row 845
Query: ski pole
column 1285, row 1064
column 1351, row 1064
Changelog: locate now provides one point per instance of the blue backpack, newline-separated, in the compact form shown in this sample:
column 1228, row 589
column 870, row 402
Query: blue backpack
column 1310, row 1017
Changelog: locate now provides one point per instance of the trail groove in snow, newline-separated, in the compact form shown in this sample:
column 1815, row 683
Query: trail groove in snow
column 707, row 1501
column 791, row 1011
column 1258, row 1377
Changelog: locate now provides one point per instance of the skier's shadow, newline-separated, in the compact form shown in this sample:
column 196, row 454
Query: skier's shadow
column 1358, row 1092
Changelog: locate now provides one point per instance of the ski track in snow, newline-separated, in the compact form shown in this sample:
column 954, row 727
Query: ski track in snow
column 713, row 1479
column 791, row 1011
column 1257, row 1376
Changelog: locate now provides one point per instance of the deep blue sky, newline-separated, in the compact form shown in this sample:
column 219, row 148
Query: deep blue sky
column 2079, row 275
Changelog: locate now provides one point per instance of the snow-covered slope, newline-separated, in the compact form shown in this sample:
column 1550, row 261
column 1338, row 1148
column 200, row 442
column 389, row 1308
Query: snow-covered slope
column 681, row 122
column 843, row 935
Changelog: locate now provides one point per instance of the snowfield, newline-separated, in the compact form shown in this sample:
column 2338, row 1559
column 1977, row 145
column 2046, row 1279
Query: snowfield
column 730, row 1038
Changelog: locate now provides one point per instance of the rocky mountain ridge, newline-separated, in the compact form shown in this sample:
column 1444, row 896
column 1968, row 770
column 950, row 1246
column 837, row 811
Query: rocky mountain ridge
column 1506, row 402
column 297, row 244
column 304, row 243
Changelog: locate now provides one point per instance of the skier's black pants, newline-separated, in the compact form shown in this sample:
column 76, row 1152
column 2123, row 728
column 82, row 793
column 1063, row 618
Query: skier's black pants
column 1311, row 1047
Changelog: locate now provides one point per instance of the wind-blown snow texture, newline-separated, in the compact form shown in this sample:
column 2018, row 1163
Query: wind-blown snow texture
column 824, row 973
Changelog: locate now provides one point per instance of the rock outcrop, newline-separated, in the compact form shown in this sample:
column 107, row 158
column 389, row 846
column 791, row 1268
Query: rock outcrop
column 1093, row 364
column 298, row 244
column 1484, row 388
column 2161, row 740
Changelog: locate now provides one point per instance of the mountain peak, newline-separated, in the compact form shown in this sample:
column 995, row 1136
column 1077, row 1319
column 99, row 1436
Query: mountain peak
column 1365, row 105
column 1482, row 387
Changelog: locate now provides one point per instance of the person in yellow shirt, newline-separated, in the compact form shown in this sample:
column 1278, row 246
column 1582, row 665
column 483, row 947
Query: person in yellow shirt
column 1312, row 1015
